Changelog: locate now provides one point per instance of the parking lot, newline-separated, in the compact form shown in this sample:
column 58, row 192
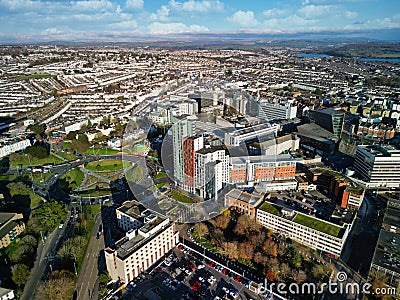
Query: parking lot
column 186, row 274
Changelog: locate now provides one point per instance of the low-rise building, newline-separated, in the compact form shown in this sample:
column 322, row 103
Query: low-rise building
column 305, row 229
column 8, row 147
column 149, row 237
column 243, row 202
column 6, row 294
column 11, row 225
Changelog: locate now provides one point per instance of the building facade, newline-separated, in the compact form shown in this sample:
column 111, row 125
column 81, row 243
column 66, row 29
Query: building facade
column 378, row 165
column 11, row 226
column 151, row 236
column 288, row 223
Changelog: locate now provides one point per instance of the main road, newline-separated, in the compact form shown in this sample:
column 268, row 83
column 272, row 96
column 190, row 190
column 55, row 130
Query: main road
column 89, row 271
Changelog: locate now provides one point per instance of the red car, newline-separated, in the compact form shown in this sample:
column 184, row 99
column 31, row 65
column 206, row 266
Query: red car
column 224, row 271
column 238, row 278
column 194, row 288
column 192, row 267
column 159, row 269
column 211, row 264
column 180, row 247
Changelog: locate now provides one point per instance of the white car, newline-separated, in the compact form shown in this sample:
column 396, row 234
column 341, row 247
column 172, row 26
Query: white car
column 200, row 267
column 211, row 280
column 202, row 279
column 234, row 293
column 225, row 289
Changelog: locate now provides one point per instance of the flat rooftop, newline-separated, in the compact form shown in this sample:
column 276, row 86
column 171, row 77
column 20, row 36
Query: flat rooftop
column 382, row 150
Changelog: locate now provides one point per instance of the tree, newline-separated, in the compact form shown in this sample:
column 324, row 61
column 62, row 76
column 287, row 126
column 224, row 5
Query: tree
column 20, row 254
column 36, row 151
column 298, row 276
column 293, row 257
column 56, row 289
column 222, row 222
column 230, row 249
column 50, row 214
column 81, row 144
column 258, row 258
column 20, row 274
column 71, row 136
column 29, row 240
column 36, row 129
column 200, row 230
column 246, row 251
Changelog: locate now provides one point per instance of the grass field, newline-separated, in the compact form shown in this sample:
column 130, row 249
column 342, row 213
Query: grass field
column 181, row 197
column 33, row 76
column 67, row 156
column 160, row 175
column 102, row 151
column 318, row 225
column 96, row 193
column 107, row 165
column 25, row 160
column 74, row 178
column 135, row 174
column 26, row 191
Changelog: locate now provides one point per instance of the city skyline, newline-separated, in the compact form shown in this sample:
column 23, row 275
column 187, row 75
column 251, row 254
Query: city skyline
column 124, row 20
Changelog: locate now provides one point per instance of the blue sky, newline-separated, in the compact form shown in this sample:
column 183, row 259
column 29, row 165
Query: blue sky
column 65, row 19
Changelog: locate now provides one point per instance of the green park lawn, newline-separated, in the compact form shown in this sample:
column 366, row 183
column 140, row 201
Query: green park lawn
column 107, row 165
column 67, row 156
column 181, row 197
column 74, row 178
column 26, row 160
column 102, row 151
column 134, row 174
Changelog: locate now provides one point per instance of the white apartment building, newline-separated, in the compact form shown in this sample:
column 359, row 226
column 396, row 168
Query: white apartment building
column 378, row 165
column 211, row 170
column 250, row 133
column 303, row 228
column 6, row 294
column 8, row 147
column 149, row 237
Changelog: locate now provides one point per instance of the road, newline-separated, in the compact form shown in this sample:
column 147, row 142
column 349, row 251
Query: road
column 44, row 252
column 87, row 280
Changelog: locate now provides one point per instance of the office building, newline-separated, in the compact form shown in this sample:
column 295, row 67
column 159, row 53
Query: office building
column 330, row 119
column 273, row 111
column 149, row 238
column 264, row 168
column 250, row 134
column 378, row 165
column 305, row 229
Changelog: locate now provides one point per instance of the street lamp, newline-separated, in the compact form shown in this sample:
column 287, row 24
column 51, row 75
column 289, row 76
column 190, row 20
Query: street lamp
column 76, row 273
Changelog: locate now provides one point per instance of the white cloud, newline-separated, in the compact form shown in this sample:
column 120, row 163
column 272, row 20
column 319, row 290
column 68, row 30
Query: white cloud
column 316, row 11
column 243, row 18
column 162, row 14
column 381, row 23
column 134, row 4
column 274, row 13
column 165, row 28
column 351, row 14
column 289, row 23
column 197, row 6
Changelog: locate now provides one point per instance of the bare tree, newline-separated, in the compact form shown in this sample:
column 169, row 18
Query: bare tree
column 200, row 230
